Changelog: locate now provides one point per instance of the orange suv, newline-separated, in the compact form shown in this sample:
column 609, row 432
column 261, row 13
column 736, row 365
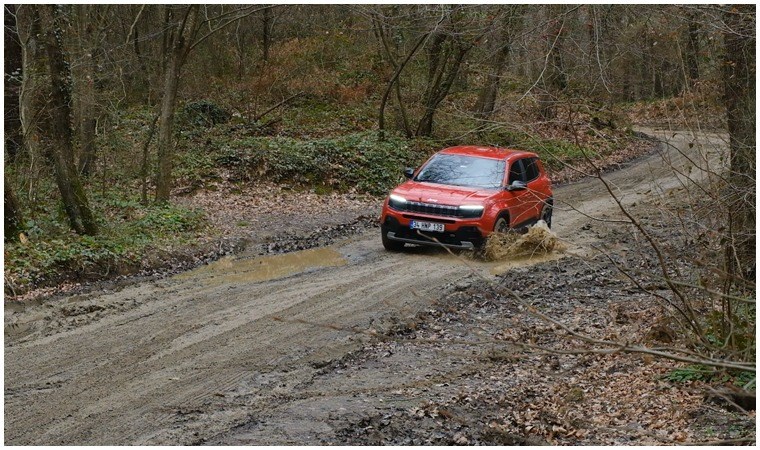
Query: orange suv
column 462, row 194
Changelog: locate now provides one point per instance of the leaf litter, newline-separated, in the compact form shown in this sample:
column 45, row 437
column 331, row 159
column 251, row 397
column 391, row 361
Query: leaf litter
column 528, row 382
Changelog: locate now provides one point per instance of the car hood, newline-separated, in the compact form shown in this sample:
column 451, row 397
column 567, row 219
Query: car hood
column 442, row 194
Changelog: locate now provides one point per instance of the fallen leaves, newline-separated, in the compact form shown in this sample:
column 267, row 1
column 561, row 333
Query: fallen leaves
column 516, row 395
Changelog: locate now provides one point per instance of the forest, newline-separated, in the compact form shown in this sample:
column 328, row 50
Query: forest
column 145, row 140
column 122, row 107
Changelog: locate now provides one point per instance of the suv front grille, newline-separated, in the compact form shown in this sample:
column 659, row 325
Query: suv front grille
column 434, row 209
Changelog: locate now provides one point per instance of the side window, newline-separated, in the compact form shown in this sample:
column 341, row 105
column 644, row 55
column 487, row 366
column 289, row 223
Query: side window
column 516, row 172
column 531, row 168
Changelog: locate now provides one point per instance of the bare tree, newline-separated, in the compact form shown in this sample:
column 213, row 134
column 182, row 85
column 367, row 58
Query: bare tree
column 398, row 67
column 267, row 22
column 182, row 33
column 381, row 31
column 553, row 78
column 56, row 136
column 13, row 67
column 181, row 25
column 693, row 46
column 13, row 219
column 509, row 23
column 740, row 99
column 90, row 22
column 448, row 47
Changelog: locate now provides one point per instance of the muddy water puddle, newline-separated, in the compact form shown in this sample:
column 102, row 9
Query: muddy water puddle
column 264, row 268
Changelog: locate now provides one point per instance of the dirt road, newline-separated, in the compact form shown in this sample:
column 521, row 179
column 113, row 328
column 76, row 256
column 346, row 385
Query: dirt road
column 212, row 354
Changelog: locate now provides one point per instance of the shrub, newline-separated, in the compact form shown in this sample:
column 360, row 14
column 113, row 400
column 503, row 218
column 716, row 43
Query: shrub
column 126, row 234
column 204, row 113
column 356, row 161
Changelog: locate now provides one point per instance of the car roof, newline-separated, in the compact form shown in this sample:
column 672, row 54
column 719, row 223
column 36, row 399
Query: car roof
column 487, row 152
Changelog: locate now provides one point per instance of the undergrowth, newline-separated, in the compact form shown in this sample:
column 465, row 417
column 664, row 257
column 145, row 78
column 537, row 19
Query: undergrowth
column 354, row 162
column 48, row 253
column 699, row 372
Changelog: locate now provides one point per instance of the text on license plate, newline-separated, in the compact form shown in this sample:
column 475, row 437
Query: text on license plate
column 426, row 226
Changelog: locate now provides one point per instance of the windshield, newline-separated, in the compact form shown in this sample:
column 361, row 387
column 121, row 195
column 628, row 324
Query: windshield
column 459, row 170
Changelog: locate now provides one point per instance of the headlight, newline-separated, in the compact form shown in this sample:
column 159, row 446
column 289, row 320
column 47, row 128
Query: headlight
column 471, row 211
column 397, row 202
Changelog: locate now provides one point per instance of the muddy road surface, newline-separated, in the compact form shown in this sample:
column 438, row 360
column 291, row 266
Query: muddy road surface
column 229, row 352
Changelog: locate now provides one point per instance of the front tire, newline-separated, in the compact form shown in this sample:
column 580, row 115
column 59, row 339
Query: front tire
column 546, row 213
column 501, row 225
column 389, row 244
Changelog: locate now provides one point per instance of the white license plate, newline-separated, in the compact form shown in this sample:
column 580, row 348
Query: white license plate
column 426, row 226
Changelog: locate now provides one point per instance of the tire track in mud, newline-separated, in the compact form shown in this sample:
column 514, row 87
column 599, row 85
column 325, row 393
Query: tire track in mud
column 184, row 359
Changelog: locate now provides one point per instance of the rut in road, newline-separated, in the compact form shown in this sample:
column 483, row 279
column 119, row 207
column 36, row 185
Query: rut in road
column 198, row 354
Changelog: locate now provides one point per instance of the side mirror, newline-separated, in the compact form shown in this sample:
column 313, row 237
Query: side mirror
column 409, row 172
column 517, row 185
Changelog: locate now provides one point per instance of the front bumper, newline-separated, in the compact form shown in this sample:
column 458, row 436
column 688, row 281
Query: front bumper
column 459, row 234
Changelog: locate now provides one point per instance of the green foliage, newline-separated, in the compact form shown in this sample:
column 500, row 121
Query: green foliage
column 196, row 165
column 308, row 116
column 555, row 153
column 699, row 372
column 166, row 220
column 691, row 373
column 355, row 161
column 204, row 113
column 740, row 335
column 128, row 229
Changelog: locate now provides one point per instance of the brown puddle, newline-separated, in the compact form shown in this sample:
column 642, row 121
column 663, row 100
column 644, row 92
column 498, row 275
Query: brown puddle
column 264, row 268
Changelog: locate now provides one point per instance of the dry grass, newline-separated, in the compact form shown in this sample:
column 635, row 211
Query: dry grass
column 539, row 240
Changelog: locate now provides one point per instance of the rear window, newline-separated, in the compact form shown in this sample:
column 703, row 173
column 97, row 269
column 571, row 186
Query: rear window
column 459, row 170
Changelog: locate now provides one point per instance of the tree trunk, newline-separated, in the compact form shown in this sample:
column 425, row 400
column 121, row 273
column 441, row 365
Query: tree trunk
column 60, row 134
column 396, row 74
column 12, row 214
column 165, row 129
column 12, row 91
column 444, row 63
column 645, row 84
column 241, row 46
column 177, row 46
column 692, row 49
column 486, row 103
column 32, row 97
column 659, row 89
column 86, row 99
column 144, row 163
column 740, row 101
column 556, row 77
column 266, row 33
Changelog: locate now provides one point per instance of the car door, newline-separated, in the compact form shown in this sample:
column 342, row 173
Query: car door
column 522, row 203
column 537, row 188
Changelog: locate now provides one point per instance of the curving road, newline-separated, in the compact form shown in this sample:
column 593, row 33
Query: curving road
column 190, row 358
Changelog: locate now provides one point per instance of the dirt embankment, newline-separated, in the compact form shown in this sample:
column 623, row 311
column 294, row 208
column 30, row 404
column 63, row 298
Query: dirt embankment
column 352, row 344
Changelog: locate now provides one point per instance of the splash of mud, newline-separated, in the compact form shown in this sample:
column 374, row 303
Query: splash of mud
column 538, row 241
